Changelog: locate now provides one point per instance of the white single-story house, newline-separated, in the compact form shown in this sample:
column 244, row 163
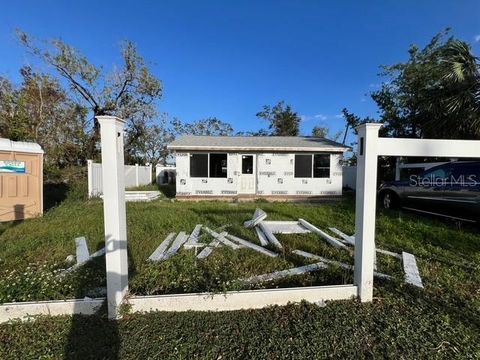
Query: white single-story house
column 282, row 167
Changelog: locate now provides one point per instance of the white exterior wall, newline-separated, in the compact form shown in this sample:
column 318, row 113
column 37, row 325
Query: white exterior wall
column 275, row 176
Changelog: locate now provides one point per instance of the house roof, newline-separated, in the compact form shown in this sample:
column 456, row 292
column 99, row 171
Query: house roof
column 20, row 146
column 256, row 143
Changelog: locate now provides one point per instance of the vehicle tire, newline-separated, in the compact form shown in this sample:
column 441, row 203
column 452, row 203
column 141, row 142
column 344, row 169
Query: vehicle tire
column 389, row 200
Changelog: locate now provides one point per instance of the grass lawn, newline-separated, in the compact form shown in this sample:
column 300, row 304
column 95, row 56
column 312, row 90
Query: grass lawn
column 441, row 321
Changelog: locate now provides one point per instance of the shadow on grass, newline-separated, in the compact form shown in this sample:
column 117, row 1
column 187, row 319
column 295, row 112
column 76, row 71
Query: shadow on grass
column 54, row 194
column 169, row 191
column 94, row 336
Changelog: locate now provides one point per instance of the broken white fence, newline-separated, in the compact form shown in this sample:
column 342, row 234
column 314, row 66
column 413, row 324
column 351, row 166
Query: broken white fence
column 116, row 260
column 134, row 175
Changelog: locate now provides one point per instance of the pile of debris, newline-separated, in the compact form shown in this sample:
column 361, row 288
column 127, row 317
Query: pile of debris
column 173, row 242
column 265, row 231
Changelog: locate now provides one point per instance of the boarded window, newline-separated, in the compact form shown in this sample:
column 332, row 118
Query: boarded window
column 303, row 166
column 218, row 165
column 321, row 166
column 199, row 165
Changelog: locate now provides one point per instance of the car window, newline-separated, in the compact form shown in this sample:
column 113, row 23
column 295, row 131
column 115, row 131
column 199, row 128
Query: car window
column 468, row 173
column 439, row 173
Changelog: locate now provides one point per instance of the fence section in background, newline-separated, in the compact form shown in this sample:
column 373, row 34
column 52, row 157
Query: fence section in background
column 135, row 175
column 349, row 177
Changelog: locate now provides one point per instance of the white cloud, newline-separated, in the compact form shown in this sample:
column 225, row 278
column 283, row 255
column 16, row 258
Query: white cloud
column 477, row 38
column 321, row 117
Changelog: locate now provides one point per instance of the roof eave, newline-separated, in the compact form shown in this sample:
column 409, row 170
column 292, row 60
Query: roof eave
column 257, row 149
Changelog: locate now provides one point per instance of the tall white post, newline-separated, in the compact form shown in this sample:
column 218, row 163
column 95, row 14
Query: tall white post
column 114, row 213
column 366, row 197
column 137, row 181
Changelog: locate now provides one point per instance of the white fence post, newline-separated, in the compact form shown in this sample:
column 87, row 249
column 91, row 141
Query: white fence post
column 111, row 131
column 150, row 169
column 366, row 191
column 90, row 177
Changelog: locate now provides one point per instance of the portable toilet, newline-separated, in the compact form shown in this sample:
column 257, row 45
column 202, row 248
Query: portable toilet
column 21, row 180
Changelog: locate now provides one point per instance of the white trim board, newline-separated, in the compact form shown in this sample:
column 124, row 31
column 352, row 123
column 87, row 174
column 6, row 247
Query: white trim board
column 412, row 275
column 81, row 250
column 27, row 310
column 241, row 300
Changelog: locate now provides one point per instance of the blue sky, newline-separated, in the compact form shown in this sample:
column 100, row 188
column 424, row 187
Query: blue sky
column 229, row 58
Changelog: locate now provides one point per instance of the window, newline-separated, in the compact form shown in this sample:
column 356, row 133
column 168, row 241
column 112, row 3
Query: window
column 303, row 166
column 198, row 165
column 218, row 165
column 321, row 165
column 208, row 165
column 439, row 173
column 308, row 166
column 247, row 164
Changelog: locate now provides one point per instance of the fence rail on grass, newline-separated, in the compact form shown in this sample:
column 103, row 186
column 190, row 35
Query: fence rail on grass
column 135, row 175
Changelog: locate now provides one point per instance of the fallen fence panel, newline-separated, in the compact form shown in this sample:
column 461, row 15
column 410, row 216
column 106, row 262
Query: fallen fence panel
column 330, row 239
column 261, row 236
column 258, row 216
column 222, row 239
column 81, row 250
column 286, row 227
column 284, row 273
column 160, row 251
column 271, row 238
column 412, row 275
column 193, row 238
column 252, row 246
column 176, row 245
column 336, row 263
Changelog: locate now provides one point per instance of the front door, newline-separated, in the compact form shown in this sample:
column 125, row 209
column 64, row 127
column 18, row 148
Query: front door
column 248, row 175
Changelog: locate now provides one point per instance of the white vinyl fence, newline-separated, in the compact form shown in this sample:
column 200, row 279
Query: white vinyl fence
column 349, row 177
column 135, row 175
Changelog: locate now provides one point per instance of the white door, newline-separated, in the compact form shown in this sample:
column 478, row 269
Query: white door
column 248, row 174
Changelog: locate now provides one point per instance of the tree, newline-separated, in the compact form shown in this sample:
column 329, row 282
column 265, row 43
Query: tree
column 320, row 131
column 39, row 110
column 435, row 94
column 149, row 145
column 283, row 121
column 129, row 91
column 208, row 126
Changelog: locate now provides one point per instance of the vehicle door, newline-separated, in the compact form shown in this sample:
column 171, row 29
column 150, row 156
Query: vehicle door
column 429, row 193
